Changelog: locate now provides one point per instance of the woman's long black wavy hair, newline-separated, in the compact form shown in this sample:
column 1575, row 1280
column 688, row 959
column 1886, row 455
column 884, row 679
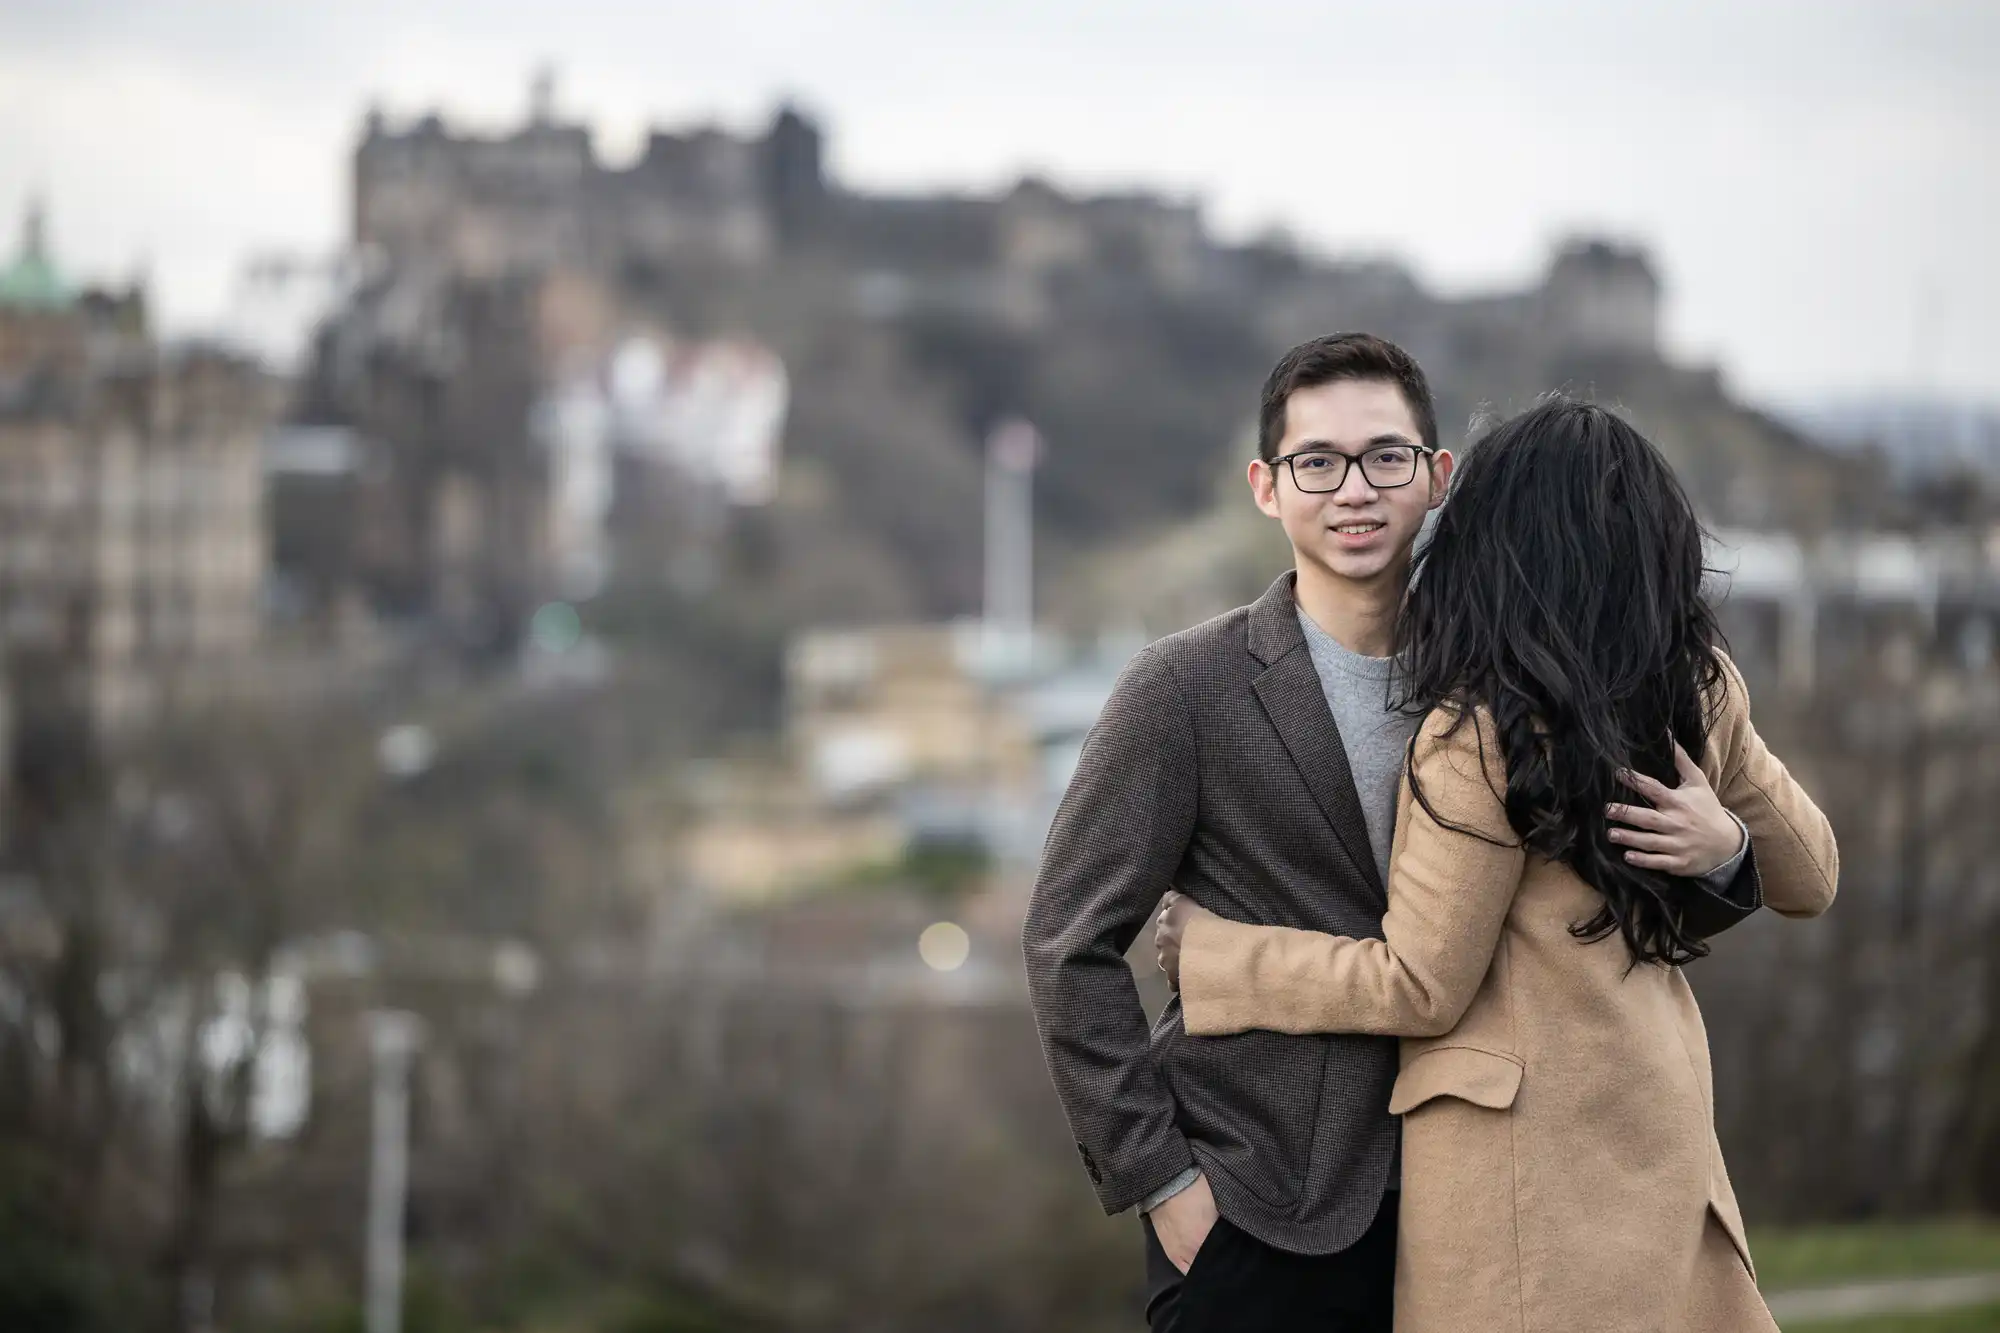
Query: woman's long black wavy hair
column 1561, row 591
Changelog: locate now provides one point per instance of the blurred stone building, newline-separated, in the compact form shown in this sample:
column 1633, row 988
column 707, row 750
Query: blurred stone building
column 538, row 196
column 132, row 538
column 464, row 445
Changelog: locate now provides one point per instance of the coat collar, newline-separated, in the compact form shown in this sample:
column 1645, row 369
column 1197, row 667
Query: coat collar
column 1274, row 620
column 1289, row 689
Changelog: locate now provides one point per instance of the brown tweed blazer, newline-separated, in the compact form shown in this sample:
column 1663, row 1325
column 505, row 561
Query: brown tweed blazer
column 1214, row 768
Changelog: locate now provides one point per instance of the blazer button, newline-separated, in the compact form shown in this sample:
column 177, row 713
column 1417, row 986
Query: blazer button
column 1090, row 1165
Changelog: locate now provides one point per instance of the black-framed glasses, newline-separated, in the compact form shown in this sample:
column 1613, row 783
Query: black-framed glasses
column 1385, row 467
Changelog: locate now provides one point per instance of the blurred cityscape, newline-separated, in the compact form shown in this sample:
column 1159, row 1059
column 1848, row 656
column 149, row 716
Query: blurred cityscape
column 552, row 711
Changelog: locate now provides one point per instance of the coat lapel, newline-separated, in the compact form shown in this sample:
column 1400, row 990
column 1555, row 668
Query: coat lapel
column 1293, row 698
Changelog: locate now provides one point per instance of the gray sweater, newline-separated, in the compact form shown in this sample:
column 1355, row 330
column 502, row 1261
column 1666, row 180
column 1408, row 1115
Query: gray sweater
column 1375, row 735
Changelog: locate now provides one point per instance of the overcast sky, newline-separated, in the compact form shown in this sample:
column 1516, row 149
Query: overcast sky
column 1819, row 181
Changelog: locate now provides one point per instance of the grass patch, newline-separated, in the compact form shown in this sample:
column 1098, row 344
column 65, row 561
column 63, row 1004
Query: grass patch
column 1829, row 1255
column 1983, row 1320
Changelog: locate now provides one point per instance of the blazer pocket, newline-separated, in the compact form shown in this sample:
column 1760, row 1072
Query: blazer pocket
column 1469, row 1073
column 1251, row 1101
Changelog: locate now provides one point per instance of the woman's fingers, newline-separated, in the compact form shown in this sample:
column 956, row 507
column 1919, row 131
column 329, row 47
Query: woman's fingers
column 1641, row 841
column 1639, row 816
column 1654, row 861
column 1651, row 788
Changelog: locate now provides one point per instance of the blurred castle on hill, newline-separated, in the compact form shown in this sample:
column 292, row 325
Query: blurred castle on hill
column 543, row 378
column 717, row 372
column 500, row 281
column 538, row 198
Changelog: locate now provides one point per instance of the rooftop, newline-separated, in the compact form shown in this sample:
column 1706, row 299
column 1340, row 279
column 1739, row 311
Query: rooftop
column 32, row 282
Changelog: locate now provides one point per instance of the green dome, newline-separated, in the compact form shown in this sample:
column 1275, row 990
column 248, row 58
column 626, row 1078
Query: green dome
column 31, row 281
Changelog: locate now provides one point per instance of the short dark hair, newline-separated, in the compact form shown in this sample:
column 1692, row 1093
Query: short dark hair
column 1331, row 359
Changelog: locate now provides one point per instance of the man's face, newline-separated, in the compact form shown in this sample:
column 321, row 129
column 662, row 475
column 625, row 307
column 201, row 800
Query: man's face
column 1361, row 532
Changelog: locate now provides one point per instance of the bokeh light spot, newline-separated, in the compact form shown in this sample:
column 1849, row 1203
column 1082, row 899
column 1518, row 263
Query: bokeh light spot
column 556, row 627
column 944, row 946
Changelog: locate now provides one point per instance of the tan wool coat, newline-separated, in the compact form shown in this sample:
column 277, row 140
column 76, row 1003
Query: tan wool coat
column 1560, row 1167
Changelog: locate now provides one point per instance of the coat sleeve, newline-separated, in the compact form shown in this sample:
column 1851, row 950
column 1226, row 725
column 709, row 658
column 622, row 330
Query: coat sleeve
column 1117, row 842
column 1451, row 884
column 1796, row 862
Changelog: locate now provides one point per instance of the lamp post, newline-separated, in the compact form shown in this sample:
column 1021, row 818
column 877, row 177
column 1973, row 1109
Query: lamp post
column 392, row 1039
column 1012, row 451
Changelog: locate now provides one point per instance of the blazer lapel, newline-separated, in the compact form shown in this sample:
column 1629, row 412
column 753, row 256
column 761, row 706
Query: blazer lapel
column 1296, row 702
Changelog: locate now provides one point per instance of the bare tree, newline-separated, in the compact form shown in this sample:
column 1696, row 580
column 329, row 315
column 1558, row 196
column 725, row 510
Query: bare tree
column 243, row 807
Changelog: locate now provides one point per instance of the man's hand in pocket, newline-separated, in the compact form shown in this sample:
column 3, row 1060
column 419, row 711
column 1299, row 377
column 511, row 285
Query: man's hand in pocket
column 1183, row 1222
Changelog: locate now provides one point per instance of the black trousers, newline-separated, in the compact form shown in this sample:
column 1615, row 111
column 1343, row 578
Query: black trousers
column 1238, row 1284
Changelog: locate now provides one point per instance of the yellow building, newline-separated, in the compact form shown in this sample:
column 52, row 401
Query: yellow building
column 894, row 739
column 868, row 710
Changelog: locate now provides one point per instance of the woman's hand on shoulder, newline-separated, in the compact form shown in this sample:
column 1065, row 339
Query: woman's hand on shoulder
column 1684, row 830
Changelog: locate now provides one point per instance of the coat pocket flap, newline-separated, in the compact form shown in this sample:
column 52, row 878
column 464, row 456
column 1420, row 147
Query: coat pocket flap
column 1732, row 1227
column 1484, row 1078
